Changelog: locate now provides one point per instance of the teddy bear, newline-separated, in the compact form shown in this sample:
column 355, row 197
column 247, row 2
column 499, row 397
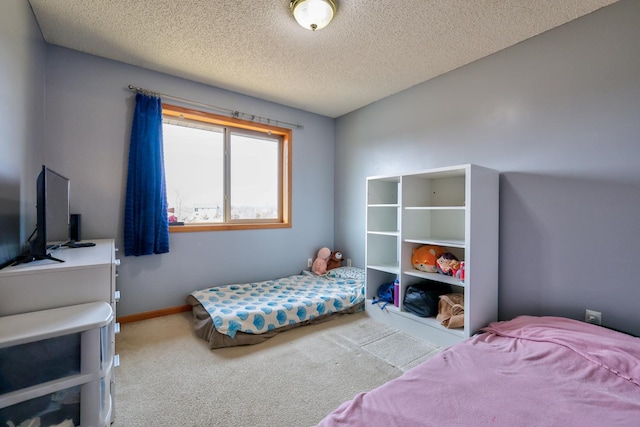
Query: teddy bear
column 424, row 258
column 335, row 260
column 319, row 265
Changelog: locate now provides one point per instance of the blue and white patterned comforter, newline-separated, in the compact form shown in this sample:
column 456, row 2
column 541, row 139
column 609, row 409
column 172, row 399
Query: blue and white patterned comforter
column 256, row 308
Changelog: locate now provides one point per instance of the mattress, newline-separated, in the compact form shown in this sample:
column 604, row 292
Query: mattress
column 249, row 313
column 533, row 371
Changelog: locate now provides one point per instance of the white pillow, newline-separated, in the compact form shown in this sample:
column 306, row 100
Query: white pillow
column 346, row 273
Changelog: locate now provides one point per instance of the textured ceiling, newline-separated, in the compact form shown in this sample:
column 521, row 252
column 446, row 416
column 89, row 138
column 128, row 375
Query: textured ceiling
column 371, row 49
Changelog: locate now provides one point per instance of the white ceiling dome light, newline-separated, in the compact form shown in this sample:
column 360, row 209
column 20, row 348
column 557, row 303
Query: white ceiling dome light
column 313, row 14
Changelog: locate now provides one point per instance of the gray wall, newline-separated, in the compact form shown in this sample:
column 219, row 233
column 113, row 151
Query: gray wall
column 559, row 116
column 88, row 126
column 22, row 65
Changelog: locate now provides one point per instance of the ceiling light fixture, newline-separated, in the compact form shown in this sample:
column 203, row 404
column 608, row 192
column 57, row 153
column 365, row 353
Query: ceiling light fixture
column 313, row 14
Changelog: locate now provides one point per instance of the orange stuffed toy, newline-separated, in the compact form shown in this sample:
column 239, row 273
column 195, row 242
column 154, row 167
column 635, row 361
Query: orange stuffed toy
column 335, row 260
column 425, row 258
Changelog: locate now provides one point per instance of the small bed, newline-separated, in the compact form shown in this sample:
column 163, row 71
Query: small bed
column 250, row 313
column 533, row 371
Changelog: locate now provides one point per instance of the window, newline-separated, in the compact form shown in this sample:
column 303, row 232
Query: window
column 224, row 173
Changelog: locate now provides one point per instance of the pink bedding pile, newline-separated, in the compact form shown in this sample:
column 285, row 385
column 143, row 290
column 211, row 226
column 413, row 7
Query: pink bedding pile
column 530, row 371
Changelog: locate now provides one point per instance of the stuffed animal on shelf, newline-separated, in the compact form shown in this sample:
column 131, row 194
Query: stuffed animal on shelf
column 319, row 265
column 425, row 258
column 451, row 310
column 448, row 264
column 335, row 260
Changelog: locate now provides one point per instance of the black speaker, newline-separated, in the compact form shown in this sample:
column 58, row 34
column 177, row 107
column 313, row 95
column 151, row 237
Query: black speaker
column 74, row 227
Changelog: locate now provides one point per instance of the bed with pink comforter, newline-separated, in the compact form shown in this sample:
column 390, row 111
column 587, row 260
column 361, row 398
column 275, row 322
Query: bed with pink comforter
column 530, row 371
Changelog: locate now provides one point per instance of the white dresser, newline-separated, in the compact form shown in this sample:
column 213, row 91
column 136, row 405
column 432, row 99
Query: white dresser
column 87, row 275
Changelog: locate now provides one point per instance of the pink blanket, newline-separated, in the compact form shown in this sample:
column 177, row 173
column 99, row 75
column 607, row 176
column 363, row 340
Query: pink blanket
column 530, row 371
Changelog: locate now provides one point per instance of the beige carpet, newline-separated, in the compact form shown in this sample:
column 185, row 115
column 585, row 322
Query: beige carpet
column 168, row 376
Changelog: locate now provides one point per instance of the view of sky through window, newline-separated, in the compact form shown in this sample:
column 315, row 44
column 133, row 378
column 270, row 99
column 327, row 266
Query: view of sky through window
column 254, row 177
column 194, row 166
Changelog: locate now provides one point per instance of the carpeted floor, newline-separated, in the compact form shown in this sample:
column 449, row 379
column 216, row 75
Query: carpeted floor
column 393, row 347
column 168, row 376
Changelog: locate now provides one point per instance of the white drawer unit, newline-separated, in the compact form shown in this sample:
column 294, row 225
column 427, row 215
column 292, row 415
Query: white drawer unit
column 56, row 366
column 87, row 275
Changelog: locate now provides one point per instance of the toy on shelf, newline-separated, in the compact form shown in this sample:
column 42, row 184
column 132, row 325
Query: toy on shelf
column 319, row 265
column 335, row 260
column 451, row 310
column 448, row 264
column 424, row 258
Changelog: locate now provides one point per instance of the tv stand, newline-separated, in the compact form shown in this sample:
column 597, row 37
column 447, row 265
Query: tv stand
column 73, row 244
column 26, row 258
column 47, row 256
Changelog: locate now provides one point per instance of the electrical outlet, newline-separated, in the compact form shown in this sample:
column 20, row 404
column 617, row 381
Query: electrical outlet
column 594, row 317
column 348, row 262
column 309, row 262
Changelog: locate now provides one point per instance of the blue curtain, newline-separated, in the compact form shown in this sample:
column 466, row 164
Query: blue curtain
column 146, row 225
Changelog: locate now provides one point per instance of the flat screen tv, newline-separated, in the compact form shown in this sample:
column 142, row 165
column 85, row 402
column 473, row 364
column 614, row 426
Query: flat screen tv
column 52, row 218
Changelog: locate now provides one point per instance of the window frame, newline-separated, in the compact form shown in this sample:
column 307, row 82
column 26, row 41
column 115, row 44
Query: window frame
column 175, row 112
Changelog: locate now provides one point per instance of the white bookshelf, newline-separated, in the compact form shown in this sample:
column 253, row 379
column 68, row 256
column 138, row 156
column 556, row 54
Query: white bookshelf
column 434, row 207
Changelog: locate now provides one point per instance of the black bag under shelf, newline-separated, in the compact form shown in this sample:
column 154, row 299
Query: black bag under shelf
column 422, row 298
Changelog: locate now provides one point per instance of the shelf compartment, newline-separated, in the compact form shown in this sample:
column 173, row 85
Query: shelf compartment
column 435, row 189
column 383, row 190
column 382, row 249
column 376, row 277
column 383, row 218
column 426, row 224
column 409, row 245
